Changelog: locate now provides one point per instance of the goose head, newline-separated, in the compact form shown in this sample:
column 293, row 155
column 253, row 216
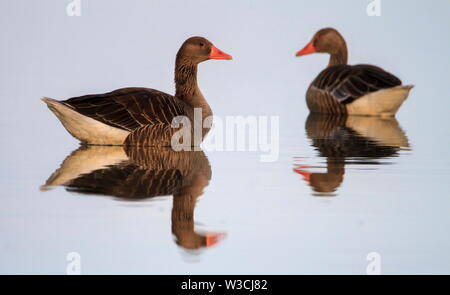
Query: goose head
column 327, row 40
column 198, row 49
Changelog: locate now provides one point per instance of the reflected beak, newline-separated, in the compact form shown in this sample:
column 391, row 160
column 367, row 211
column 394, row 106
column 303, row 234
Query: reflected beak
column 213, row 238
column 306, row 175
column 308, row 49
column 216, row 53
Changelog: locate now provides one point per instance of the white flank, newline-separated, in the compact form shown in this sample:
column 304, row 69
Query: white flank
column 385, row 102
column 83, row 128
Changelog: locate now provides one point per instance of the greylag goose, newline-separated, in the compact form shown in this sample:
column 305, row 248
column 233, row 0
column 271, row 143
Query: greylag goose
column 140, row 116
column 138, row 173
column 344, row 89
column 345, row 140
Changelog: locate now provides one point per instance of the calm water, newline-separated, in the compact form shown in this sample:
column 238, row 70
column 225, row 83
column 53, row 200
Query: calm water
column 340, row 189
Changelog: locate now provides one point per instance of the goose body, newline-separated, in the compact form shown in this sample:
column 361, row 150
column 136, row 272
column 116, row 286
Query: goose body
column 354, row 90
column 140, row 116
column 115, row 118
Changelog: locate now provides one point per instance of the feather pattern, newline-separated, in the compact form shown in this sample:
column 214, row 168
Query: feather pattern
column 345, row 83
column 129, row 108
column 151, row 135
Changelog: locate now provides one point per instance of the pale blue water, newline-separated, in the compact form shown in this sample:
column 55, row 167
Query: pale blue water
column 386, row 190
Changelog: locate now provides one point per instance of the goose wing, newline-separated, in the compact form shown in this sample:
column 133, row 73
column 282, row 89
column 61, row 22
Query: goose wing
column 347, row 83
column 128, row 108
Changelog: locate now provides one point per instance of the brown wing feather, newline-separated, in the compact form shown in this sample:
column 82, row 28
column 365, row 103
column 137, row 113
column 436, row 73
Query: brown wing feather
column 346, row 83
column 129, row 108
column 151, row 135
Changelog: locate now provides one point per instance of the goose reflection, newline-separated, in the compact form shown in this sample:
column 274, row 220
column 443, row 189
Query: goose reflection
column 137, row 173
column 344, row 140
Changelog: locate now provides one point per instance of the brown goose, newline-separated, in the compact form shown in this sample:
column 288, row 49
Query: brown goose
column 137, row 173
column 140, row 116
column 345, row 89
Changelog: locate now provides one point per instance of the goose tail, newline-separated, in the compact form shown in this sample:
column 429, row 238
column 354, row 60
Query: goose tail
column 85, row 129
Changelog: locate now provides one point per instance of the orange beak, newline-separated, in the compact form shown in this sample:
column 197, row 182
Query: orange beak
column 308, row 49
column 216, row 53
column 213, row 238
column 306, row 175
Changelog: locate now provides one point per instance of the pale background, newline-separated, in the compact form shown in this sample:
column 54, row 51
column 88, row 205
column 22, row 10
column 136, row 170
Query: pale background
column 274, row 225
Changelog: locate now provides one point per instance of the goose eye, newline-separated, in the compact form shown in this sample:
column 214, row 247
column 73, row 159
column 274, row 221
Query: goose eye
column 202, row 44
